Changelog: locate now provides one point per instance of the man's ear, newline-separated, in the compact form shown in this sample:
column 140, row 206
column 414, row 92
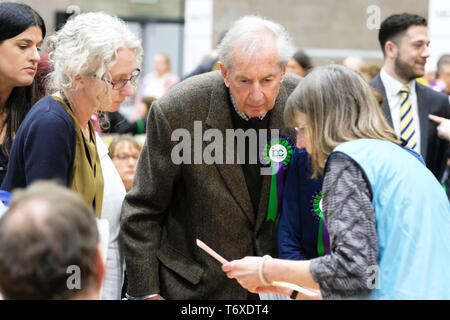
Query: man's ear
column 99, row 267
column 390, row 49
column 283, row 72
column 224, row 73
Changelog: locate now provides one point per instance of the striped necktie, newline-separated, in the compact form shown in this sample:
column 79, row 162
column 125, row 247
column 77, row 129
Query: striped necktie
column 408, row 132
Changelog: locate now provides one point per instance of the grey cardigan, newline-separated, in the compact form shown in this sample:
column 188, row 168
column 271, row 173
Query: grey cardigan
column 350, row 219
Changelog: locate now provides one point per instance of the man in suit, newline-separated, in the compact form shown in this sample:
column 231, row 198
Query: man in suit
column 173, row 203
column 404, row 41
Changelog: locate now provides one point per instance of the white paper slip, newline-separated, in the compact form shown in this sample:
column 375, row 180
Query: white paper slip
column 288, row 285
column 211, row 252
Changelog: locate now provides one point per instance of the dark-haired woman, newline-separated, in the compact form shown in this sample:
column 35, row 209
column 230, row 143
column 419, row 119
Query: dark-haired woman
column 21, row 33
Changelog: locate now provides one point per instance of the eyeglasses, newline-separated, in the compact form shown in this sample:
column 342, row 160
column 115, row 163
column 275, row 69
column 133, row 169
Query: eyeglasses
column 119, row 84
column 125, row 157
column 300, row 130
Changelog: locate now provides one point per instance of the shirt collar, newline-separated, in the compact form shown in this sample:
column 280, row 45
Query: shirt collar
column 393, row 86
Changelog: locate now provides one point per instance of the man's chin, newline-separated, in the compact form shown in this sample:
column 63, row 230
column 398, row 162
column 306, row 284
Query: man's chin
column 256, row 113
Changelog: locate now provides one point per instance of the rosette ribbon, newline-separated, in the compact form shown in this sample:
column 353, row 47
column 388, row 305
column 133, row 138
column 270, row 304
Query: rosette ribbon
column 279, row 169
column 323, row 238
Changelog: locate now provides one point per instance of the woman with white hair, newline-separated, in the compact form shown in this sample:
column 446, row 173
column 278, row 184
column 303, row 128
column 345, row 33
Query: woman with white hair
column 95, row 61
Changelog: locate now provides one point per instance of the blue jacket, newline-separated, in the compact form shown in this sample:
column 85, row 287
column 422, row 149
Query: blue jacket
column 412, row 215
column 298, row 228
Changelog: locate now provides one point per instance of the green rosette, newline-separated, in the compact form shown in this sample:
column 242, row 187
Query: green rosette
column 279, row 166
column 323, row 242
column 285, row 142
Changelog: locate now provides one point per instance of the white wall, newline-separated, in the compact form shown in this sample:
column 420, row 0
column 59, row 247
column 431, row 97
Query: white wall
column 438, row 30
column 198, row 32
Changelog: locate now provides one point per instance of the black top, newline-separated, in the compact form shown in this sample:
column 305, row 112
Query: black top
column 252, row 172
column 117, row 123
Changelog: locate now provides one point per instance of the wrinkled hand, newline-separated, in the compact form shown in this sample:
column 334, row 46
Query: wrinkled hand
column 245, row 271
column 443, row 129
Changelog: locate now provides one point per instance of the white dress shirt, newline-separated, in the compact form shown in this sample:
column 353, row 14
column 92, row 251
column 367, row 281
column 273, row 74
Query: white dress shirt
column 393, row 87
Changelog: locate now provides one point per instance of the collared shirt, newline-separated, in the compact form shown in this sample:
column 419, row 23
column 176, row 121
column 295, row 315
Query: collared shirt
column 393, row 87
column 240, row 113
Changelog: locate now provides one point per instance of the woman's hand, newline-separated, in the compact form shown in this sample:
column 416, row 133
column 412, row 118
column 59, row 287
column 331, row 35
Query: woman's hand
column 245, row 271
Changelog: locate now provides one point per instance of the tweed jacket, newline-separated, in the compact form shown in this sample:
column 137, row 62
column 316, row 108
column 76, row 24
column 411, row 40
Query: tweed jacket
column 433, row 149
column 170, row 206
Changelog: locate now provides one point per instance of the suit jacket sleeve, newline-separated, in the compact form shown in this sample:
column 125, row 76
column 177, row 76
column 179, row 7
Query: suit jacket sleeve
column 442, row 149
column 435, row 103
column 145, row 205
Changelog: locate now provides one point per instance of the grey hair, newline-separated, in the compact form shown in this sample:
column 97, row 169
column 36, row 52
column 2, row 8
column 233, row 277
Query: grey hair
column 251, row 33
column 87, row 45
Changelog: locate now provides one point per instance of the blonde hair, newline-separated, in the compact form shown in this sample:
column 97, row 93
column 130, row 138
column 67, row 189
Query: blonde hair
column 340, row 106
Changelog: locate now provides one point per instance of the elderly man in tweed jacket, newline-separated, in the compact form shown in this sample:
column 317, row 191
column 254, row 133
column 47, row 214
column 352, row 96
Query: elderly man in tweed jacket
column 172, row 203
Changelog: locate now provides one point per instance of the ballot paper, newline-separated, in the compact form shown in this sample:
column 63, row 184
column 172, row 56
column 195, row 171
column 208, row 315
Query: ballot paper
column 211, row 252
column 222, row 260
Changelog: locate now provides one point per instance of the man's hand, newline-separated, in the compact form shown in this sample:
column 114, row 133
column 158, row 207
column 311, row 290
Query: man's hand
column 443, row 129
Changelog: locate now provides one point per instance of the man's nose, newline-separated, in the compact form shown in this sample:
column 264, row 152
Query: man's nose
column 256, row 94
column 426, row 52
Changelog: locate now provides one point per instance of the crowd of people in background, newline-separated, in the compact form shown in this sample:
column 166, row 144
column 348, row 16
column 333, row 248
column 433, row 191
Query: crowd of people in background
column 122, row 211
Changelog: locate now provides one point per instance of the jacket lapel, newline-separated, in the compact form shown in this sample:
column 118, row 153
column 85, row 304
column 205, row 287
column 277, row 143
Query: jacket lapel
column 219, row 117
column 422, row 108
column 378, row 84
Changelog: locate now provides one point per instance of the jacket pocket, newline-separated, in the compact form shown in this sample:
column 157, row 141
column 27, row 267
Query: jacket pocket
column 180, row 264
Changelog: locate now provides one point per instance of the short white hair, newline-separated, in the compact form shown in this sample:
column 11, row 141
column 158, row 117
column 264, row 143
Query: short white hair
column 87, row 45
column 250, row 34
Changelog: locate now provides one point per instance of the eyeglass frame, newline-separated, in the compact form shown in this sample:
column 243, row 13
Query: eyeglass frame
column 120, row 157
column 134, row 75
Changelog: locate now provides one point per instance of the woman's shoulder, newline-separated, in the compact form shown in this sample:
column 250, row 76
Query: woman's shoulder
column 49, row 111
column 47, row 118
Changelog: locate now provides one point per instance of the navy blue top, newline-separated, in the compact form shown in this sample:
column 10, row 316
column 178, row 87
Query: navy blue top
column 298, row 229
column 44, row 147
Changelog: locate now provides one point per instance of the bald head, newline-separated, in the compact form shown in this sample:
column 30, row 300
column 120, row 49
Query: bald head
column 47, row 229
column 28, row 215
